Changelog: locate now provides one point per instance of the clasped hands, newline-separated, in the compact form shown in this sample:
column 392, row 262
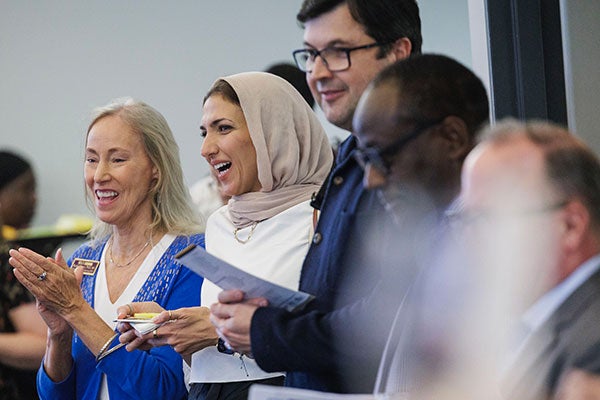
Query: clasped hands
column 232, row 317
column 50, row 280
column 187, row 330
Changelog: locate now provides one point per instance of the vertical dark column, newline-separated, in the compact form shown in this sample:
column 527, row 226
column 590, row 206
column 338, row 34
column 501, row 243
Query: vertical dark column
column 526, row 59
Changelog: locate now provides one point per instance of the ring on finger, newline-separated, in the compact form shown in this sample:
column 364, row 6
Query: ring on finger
column 130, row 309
column 155, row 334
column 42, row 276
column 170, row 315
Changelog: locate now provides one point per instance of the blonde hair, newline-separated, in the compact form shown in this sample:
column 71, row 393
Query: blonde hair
column 172, row 209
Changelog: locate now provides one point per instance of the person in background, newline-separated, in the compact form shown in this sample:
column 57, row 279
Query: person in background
column 144, row 217
column 531, row 193
column 22, row 331
column 295, row 76
column 18, row 197
column 270, row 154
column 22, row 334
column 346, row 43
column 207, row 195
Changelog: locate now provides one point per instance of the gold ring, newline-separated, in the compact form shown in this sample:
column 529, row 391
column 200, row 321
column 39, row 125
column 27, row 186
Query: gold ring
column 155, row 334
column 129, row 306
column 170, row 315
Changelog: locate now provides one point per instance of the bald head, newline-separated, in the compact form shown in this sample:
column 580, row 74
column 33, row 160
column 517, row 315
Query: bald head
column 530, row 190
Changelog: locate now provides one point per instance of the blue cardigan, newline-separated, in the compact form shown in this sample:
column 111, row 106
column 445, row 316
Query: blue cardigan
column 155, row 374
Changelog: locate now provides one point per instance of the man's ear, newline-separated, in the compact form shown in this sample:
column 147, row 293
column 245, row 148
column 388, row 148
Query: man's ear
column 401, row 48
column 456, row 134
column 576, row 224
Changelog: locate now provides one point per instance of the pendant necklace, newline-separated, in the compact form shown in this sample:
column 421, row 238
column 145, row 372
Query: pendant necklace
column 127, row 264
column 242, row 241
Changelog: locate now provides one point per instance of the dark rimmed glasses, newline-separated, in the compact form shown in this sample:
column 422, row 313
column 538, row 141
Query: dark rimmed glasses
column 380, row 158
column 335, row 58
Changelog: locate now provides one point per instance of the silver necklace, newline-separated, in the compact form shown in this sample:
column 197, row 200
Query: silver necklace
column 235, row 233
column 127, row 264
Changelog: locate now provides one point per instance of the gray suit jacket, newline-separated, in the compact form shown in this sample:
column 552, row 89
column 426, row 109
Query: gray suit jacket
column 569, row 339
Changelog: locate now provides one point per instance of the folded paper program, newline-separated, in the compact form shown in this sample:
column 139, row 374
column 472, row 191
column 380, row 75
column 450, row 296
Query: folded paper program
column 226, row 276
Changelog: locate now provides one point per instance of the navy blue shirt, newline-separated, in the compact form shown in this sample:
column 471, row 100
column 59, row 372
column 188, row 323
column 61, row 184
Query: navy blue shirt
column 342, row 332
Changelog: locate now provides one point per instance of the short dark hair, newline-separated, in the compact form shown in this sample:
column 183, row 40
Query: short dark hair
column 433, row 86
column 12, row 165
column 384, row 20
column 571, row 166
column 295, row 76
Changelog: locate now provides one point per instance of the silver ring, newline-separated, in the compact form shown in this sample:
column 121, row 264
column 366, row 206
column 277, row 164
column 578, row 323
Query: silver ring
column 155, row 334
column 42, row 276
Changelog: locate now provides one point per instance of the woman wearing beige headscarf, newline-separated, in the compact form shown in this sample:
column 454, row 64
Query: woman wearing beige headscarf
column 270, row 154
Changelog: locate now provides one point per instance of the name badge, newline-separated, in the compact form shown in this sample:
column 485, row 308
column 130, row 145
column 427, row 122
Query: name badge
column 89, row 266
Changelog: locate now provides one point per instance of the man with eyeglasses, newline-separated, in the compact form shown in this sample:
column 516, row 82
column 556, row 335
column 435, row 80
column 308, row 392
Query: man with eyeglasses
column 346, row 43
column 538, row 187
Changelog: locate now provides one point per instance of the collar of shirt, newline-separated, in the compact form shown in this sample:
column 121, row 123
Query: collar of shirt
column 543, row 308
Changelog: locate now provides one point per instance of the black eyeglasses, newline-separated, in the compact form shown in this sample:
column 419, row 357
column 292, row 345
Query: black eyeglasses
column 379, row 158
column 335, row 58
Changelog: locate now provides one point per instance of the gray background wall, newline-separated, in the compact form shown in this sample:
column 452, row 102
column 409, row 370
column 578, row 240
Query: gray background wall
column 61, row 58
column 581, row 38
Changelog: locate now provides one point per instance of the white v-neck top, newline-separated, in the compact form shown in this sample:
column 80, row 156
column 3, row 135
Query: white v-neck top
column 108, row 310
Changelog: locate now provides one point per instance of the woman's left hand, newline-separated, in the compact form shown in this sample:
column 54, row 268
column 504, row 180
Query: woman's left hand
column 128, row 334
column 51, row 281
column 187, row 330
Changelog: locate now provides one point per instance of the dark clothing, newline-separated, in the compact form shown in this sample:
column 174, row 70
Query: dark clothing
column 335, row 343
column 14, row 383
column 228, row 390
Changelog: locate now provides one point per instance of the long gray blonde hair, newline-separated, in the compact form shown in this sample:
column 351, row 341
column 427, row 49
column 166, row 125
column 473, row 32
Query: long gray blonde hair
column 172, row 209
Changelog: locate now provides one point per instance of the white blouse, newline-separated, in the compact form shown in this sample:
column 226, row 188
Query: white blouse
column 275, row 252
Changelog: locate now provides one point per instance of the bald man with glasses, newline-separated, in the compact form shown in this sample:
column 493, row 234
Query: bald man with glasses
column 539, row 189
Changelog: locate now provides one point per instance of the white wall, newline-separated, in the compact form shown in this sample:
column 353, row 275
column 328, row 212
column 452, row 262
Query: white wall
column 61, row 58
column 581, row 35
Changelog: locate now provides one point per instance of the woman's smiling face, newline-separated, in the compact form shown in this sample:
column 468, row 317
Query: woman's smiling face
column 227, row 146
column 118, row 173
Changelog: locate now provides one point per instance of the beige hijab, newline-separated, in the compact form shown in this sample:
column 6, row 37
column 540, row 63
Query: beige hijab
column 292, row 150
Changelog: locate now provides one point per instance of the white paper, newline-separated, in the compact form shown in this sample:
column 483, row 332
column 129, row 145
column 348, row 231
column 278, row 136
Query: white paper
column 140, row 325
column 226, row 276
